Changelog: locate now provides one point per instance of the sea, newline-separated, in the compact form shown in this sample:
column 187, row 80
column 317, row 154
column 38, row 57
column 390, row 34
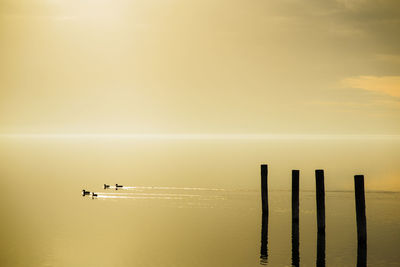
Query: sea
column 194, row 202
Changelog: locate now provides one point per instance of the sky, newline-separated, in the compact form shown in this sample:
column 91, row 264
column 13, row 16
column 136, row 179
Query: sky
column 200, row 67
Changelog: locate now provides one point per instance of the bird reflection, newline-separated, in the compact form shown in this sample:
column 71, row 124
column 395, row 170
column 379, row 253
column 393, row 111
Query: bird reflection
column 264, row 240
column 321, row 249
column 295, row 244
column 362, row 254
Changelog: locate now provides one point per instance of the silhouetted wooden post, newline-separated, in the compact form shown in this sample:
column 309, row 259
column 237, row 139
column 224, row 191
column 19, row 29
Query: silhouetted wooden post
column 360, row 209
column 295, row 196
column 264, row 189
column 295, row 218
column 361, row 221
column 320, row 194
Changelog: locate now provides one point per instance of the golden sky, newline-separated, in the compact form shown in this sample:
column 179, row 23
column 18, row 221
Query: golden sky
column 211, row 66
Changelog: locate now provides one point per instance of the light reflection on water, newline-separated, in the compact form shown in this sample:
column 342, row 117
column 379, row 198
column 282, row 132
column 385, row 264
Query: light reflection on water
column 190, row 215
column 147, row 194
column 130, row 197
column 169, row 188
column 166, row 196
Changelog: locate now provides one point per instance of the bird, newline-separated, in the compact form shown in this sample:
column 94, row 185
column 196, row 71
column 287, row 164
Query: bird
column 118, row 186
column 106, row 186
column 85, row 193
column 94, row 195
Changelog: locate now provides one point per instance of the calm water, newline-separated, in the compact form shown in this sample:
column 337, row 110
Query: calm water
column 196, row 203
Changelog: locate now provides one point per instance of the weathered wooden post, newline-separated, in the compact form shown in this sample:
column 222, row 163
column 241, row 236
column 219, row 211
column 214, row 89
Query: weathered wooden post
column 295, row 196
column 361, row 221
column 360, row 209
column 264, row 189
column 264, row 226
column 295, row 218
column 320, row 195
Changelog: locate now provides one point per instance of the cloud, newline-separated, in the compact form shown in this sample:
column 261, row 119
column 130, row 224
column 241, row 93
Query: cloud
column 388, row 85
column 389, row 58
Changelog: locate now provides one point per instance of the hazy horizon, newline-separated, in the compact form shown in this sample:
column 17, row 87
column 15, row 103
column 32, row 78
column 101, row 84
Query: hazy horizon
column 219, row 136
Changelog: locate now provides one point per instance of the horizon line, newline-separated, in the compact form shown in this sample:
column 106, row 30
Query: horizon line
column 206, row 136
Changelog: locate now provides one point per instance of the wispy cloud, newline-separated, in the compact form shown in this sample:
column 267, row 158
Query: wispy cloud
column 388, row 85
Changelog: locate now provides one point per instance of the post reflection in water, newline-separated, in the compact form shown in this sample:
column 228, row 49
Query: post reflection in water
column 295, row 244
column 362, row 254
column 321, row 249
column 264, row 240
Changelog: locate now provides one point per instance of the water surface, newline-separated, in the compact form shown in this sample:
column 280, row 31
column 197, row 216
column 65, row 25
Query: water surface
column 191, row 203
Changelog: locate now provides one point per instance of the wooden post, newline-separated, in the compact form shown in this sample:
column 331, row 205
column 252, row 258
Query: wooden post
column 264, row 189
column 295, row 218
column 295, row 195
column 320, row 195
column 360, row 209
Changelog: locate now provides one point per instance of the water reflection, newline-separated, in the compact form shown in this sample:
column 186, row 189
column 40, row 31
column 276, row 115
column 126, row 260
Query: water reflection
column 264, row 240
column 295, row 244
column 140, row 188
column 362, row 254
column 321, row 249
